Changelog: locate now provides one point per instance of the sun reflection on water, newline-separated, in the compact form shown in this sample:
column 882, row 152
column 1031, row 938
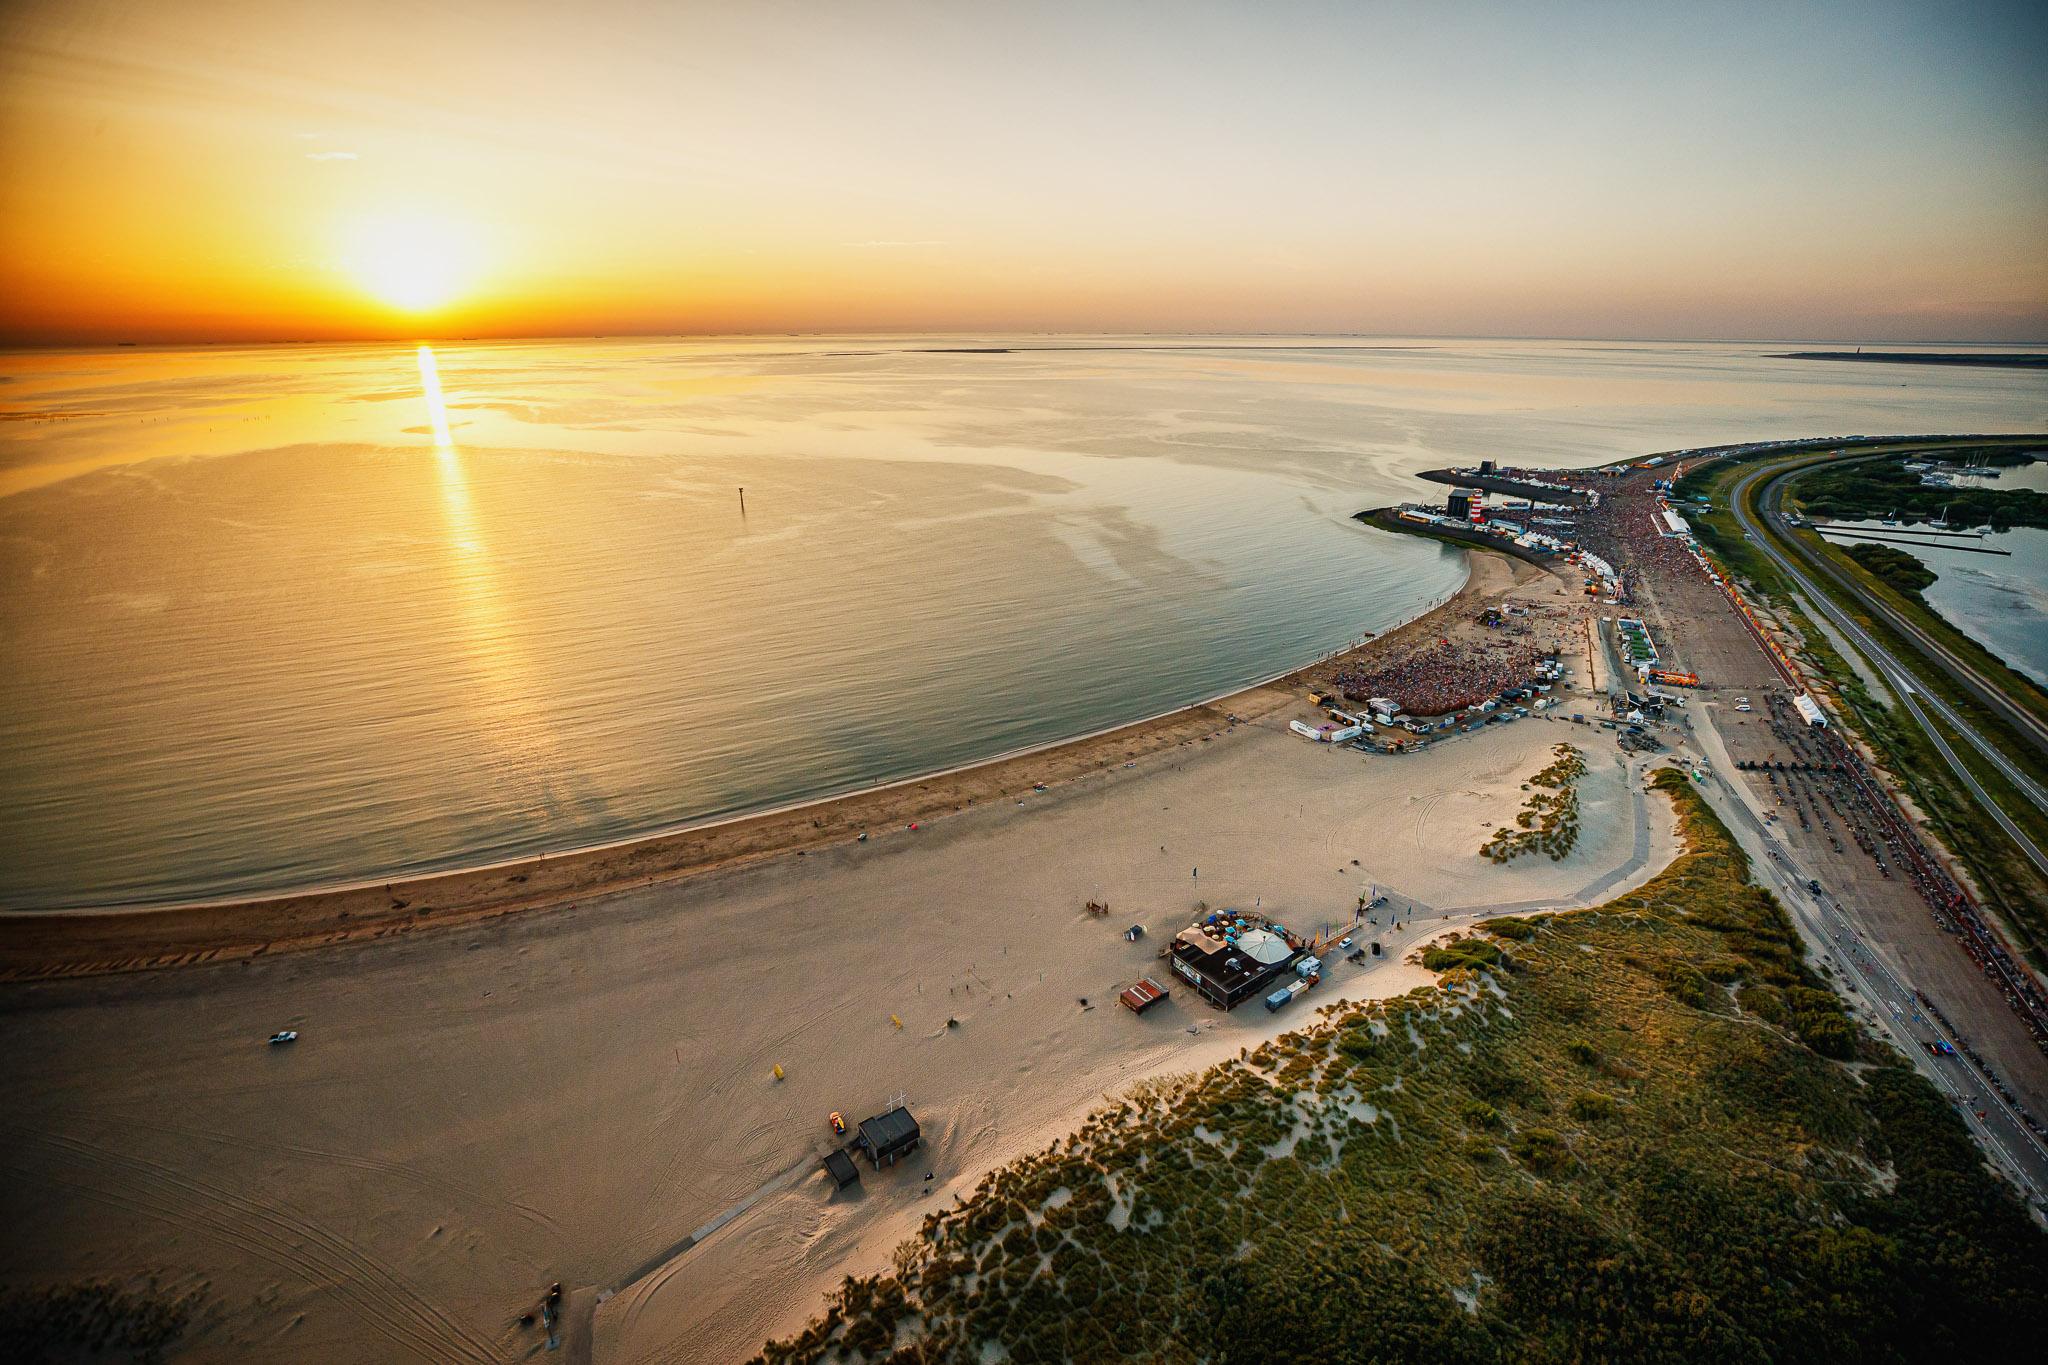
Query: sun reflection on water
column 437, row 406
column 514, row 733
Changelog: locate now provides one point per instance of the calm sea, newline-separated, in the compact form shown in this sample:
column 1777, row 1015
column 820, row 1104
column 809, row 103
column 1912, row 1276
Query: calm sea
column 275, row 617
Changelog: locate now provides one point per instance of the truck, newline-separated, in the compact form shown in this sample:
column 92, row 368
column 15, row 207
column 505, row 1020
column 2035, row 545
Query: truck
column 1285, row 994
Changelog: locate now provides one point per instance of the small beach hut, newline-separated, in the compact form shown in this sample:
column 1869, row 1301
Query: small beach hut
column 840, row 1167
column 889, row 1137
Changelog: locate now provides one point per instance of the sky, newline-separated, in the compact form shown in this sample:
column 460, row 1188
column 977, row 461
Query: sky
column 209, row 170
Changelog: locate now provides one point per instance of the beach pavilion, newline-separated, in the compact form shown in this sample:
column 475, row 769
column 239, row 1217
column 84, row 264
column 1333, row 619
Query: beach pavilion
column 1231, row 955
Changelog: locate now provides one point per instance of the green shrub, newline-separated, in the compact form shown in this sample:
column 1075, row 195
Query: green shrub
column 1541, row 1150
column 1479, row 1114
column 1464, row 952
column 1592, row 1107
column 1722, row 968
column 1509, row 927
column 1765, row 1002
column 1686, row 983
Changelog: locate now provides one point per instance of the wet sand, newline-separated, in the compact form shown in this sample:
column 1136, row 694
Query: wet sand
column 87, row 942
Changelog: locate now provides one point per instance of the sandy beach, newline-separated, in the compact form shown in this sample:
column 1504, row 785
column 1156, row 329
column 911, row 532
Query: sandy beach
column 573, row 1094
column 89, row 942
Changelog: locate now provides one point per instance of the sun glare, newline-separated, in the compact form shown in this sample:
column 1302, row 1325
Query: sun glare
column 437, row 406
column 414, row 264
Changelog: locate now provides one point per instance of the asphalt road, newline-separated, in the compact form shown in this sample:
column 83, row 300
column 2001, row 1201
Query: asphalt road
column 1901, row 679
column 1887, row 999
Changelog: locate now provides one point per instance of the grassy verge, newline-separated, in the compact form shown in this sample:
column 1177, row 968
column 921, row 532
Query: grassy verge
column 1643, row 1132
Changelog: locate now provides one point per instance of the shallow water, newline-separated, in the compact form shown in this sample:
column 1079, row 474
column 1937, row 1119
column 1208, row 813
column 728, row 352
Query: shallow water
column 265, row 629
column 2000, row 601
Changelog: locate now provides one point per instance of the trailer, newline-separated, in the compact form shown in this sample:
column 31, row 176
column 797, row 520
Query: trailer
column 1328, row 734
column 1286, row 993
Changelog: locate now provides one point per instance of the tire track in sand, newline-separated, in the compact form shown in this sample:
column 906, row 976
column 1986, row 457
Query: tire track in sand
column 453, row 1190
column 271, row 1233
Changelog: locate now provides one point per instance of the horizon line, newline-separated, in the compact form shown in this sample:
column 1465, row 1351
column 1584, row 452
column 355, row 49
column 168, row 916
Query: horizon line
column 15, row 344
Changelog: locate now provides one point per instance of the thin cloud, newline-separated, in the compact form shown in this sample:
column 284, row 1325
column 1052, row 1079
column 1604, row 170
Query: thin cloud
column 860, row 246
column 332, row 156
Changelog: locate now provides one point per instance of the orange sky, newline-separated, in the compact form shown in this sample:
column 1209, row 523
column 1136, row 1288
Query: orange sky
column 227, row 169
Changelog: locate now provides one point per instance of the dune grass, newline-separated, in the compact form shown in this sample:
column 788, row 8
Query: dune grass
column 1549, row 820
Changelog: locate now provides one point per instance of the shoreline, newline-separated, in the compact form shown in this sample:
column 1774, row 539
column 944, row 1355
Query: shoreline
column 1990, row 360
column 46, row 944
column 570, row 1096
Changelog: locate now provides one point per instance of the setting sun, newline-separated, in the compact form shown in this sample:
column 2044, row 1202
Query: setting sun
column 411, row 262
column 652, row 647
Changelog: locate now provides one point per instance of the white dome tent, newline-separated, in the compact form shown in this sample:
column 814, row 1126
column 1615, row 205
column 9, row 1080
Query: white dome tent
column 1263, row 946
